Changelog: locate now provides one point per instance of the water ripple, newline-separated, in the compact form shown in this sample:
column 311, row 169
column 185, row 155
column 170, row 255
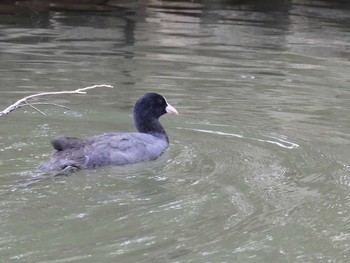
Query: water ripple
column 269, row 139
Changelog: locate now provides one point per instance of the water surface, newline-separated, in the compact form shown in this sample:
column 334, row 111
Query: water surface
column 258, row 164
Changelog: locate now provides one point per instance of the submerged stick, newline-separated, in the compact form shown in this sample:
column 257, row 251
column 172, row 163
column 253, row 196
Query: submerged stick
column 25, row 101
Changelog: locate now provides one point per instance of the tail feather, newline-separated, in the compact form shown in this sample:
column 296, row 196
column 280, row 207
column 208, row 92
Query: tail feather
column 64, row 143
column 69, row 153
column 56, row 165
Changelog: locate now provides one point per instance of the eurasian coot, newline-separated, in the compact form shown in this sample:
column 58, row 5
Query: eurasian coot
column 117, row 148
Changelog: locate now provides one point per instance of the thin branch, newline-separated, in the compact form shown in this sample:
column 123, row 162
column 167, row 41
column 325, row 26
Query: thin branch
column 35, row 108
column 24, row 101
column 52, row 104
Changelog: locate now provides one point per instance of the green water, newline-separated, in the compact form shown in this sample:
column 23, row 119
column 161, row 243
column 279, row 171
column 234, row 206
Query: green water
column 258, row 164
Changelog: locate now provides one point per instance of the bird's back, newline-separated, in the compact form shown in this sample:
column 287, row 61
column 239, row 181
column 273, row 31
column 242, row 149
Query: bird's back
column 105, row 149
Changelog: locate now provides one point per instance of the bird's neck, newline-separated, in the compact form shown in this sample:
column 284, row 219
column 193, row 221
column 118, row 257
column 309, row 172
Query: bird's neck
column 150, row 126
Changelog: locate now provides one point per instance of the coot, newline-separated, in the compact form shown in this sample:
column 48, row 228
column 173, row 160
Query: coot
column 117, row 148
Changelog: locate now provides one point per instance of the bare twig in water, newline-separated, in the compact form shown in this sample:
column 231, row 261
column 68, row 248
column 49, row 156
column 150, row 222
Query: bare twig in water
column 25, row 101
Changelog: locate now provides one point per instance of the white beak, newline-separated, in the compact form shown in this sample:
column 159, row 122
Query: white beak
column 171, row 110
